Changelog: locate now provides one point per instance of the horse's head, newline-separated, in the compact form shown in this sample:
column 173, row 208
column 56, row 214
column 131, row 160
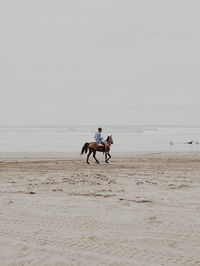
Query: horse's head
column 110, row 139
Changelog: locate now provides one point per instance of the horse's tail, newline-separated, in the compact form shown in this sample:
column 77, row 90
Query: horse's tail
column 85, row 148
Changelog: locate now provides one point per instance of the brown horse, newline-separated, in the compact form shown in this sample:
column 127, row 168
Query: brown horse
column 94, row 147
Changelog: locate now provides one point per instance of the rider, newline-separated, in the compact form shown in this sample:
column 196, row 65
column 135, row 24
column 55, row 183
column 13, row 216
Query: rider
column 98, row 138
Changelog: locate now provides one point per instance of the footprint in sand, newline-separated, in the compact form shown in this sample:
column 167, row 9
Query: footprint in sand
column 153, row 219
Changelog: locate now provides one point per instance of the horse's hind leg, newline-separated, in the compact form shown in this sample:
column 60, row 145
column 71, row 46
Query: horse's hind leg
column 88, row 156
column 94, row 153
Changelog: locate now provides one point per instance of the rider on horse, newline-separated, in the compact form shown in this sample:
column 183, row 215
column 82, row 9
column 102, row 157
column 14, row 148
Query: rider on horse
column 98, row 145
column 98, row 138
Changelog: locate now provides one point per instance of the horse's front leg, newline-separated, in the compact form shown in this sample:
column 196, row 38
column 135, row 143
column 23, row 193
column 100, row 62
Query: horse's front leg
column 94, row 153
column 106, row 160
column 88, row 156
column 109, row 156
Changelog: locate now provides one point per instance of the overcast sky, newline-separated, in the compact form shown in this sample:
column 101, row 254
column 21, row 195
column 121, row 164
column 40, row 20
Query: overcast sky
column 100, row 62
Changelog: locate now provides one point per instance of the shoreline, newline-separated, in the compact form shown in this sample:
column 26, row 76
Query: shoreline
column 77, row 155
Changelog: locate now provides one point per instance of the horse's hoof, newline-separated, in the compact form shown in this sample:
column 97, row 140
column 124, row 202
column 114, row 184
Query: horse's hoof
column 88, row 163
column 106, row 161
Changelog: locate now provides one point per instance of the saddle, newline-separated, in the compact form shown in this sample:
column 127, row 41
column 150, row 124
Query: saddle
column 100, row 145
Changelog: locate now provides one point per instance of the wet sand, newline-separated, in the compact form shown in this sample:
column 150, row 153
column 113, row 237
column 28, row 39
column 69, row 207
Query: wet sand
column 141, row 209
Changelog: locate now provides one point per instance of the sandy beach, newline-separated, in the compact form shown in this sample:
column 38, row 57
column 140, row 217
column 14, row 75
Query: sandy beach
column 141, row 209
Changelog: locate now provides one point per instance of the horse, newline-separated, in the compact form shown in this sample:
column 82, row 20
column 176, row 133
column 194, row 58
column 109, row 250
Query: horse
column 93, row 147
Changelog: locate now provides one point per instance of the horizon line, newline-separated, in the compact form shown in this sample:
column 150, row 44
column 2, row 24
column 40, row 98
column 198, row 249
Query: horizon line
column 96, row 125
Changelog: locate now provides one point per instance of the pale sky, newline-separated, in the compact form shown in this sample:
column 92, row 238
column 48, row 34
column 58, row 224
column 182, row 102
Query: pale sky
column 100, row 62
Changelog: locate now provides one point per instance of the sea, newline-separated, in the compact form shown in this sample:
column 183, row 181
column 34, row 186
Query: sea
column 127, row 138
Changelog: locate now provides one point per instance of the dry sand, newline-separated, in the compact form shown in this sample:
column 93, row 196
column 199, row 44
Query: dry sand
column 141, row 209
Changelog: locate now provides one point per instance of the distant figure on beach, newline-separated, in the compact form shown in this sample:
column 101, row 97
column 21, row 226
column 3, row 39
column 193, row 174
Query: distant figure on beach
column 171, row 143
column 189, row 142
column 98, row 138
